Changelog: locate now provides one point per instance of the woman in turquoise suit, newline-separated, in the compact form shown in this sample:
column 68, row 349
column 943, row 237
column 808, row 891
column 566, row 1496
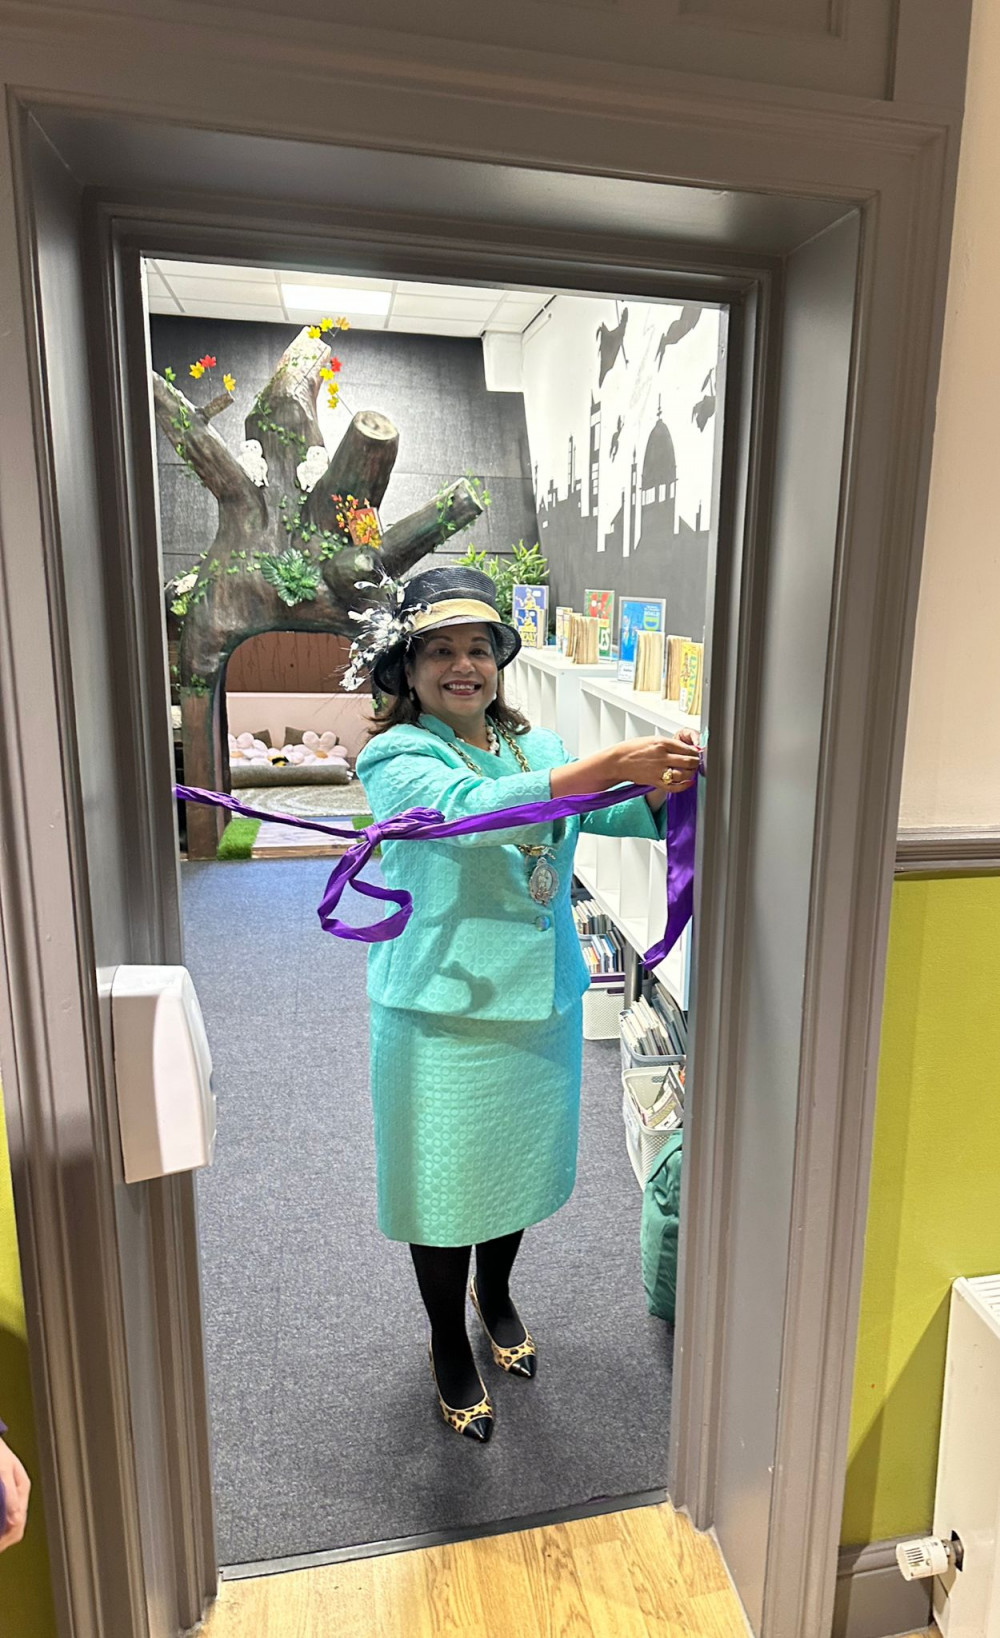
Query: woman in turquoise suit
column 476, row 1029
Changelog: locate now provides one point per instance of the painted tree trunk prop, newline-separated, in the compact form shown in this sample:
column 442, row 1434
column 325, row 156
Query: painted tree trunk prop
column 282, row 558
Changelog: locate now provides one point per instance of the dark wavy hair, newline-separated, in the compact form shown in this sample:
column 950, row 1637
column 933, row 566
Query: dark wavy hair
column 392, row 709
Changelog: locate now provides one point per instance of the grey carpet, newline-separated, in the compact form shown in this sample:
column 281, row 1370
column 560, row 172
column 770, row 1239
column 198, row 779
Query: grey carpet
column 325, row 1428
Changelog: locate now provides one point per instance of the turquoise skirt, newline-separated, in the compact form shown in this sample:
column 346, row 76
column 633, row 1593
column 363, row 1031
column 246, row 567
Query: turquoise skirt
column 476, row 1122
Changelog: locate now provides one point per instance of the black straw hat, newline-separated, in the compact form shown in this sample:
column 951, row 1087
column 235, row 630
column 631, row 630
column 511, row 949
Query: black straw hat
column 446, row 596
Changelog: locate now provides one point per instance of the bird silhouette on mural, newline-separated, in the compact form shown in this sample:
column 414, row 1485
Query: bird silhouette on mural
column 609, row 344
column 705, row 407
column 616, row 438
column 682, row 325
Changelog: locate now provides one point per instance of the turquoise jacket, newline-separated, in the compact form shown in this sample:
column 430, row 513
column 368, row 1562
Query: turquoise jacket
column 477, row 944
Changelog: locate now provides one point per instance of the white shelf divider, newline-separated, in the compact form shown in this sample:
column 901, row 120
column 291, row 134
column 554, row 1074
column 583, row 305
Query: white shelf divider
column 546, row 687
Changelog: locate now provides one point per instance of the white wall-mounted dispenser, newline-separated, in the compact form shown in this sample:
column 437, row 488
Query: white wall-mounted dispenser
column 163, row 1073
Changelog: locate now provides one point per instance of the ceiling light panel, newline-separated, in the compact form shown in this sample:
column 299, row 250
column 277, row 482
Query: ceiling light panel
column 317, row 299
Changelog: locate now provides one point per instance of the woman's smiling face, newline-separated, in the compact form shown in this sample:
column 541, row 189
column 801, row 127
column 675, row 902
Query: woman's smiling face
column 454, row 672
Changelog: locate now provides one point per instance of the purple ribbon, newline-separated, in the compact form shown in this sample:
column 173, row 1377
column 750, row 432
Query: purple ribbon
column 428, row 824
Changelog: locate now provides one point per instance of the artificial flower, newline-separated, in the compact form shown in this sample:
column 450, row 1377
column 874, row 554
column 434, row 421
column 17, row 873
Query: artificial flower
column 170, row 375
column 229, row 382
column 208, row 361
column 313, row 332
column 383, row 626
column 198, row 370
column 336, row 366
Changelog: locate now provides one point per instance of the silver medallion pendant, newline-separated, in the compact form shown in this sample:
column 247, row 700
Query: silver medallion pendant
column 543, row 883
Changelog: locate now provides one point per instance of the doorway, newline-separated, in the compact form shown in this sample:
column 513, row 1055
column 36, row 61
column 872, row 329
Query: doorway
column 590, row 434
column 800, row 453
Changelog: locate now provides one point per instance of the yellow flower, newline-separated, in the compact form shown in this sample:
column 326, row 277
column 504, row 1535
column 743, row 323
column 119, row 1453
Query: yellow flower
column 334, row 396
column 326, row 324
column 314, row 332
column 229, row 382
column 197, row 370
column 342, row 324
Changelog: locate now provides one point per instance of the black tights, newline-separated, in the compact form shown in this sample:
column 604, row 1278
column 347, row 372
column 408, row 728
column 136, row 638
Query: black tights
column 442, row 1275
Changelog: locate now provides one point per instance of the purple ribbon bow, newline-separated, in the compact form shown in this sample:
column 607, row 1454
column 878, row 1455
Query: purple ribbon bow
column 428, row 824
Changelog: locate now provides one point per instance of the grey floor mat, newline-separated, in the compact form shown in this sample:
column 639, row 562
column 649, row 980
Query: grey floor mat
column 325, row 1428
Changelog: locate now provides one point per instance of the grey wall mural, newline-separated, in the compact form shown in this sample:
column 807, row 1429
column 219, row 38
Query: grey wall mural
column 621, row 413
column 432, row 387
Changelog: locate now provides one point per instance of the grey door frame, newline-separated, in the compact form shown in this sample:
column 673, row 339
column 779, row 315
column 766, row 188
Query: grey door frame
column 902, row 183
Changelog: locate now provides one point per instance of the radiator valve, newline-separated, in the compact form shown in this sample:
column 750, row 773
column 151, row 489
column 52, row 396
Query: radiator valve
column 928, row 1555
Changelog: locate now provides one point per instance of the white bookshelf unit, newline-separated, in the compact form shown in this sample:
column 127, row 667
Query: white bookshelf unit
column 627, row 875
column 590, row 709
column 546, row 687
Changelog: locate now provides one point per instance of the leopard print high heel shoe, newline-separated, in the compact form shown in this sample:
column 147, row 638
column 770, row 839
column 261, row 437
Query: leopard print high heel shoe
column 521, row 1359
column 476, row 1422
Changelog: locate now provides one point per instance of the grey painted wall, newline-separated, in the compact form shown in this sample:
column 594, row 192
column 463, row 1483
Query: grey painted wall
column 432, row 387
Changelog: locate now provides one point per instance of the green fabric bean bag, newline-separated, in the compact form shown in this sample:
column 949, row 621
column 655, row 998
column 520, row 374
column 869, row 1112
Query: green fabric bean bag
column 661, row 1204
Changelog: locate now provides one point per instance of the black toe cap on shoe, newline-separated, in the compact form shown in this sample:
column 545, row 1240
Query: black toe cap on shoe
column 481, row 1428
column 525, row 1367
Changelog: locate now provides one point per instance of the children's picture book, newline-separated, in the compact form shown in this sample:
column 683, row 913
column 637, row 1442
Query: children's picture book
column 600, row 605
column 530, row 614
column 637, row 614
column 564, row 612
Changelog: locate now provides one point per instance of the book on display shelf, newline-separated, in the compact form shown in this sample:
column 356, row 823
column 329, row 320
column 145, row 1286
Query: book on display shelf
column 584, row 640
column 648, row 676
column 672, row 685
column 637, row 614
column 600, row 605
column 563, row 616
column 530, row 614
column 692, row 668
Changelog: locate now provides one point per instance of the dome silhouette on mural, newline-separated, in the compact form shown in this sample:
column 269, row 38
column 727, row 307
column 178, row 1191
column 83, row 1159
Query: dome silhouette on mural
column 658, row 490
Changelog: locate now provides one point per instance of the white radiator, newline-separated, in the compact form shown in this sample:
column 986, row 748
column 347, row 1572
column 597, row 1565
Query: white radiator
column 967, row 1600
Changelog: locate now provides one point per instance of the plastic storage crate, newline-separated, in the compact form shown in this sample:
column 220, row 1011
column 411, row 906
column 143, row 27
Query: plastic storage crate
column 602, row 1006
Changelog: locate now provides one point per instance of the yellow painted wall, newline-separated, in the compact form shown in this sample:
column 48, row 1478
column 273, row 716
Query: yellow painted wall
column 25, row 1599
column 935, row 1200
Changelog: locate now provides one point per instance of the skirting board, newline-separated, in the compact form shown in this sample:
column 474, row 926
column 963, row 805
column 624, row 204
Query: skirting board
column 873, row 1600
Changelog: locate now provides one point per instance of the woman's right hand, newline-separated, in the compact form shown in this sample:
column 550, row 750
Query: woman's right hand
column 645, row 761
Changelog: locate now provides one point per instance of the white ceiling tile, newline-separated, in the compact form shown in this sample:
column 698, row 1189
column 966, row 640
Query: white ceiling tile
column 461, row 292
column 441, row 307
column 189, row 290
column 436, row 327
column 212, row 270
column 233, row 310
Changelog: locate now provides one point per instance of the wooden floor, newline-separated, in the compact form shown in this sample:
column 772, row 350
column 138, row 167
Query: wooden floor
column 641, row 1574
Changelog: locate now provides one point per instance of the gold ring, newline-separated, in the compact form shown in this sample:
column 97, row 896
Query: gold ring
column 668, row 778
